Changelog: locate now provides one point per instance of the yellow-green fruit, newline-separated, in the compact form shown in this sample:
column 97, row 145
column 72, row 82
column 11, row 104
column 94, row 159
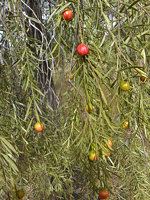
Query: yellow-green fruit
column 20, row 194
column 92, row 156
column 124, row 86
column 124, row 125
column 89, row 107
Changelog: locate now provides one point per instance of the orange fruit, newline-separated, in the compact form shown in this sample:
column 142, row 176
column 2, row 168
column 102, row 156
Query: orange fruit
column 39, row 127
column 110, row 143
column 71, row 76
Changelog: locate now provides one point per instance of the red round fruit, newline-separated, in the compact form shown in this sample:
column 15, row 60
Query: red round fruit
column 124, row 86
column 39, row 127
column 143, row 79
column 82, row 50
column 67, row 14
column 103, row 193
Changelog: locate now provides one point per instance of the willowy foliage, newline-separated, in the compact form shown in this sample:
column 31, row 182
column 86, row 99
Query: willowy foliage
column 38, row 50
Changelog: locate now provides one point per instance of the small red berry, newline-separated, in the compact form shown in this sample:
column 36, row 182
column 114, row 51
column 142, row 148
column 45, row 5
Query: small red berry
column 67, row 14
column 103, row 193
column 143, row 79
column 82, row 50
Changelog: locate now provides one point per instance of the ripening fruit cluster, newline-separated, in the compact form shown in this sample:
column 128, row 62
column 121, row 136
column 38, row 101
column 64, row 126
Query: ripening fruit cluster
column 125, row 86
column 103, row 193
column 92, row 152
column 83, row 50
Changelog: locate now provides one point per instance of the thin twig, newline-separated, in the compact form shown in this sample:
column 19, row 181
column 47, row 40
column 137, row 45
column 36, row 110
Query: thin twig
column 143, row 9
column 72, row 54
column 124, row 142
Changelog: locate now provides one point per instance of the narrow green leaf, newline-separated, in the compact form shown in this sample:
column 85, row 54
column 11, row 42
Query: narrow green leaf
column 58, row 21
column 37, row 106
column 127, row 40
column 5, row 147
column 141, row 72
column 8, row 144
column 50, row 17
column 29, row 126
column 132, row 4
column 107, row 19
column 10, row 162
column 144, row 56
column 38, row 90
column 53, row 50
column 33, row 19
column 28, row 108
column 103, row 96
column 62, row 8
column 109, row 71
column 102, row 40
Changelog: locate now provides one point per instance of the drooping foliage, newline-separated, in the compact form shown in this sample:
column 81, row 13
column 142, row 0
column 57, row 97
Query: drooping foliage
column 81, row 113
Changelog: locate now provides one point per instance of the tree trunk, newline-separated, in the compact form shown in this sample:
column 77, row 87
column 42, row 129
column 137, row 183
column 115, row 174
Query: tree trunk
column 35, row 30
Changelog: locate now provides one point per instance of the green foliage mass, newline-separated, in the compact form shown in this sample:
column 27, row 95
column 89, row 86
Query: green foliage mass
column 54, row 164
